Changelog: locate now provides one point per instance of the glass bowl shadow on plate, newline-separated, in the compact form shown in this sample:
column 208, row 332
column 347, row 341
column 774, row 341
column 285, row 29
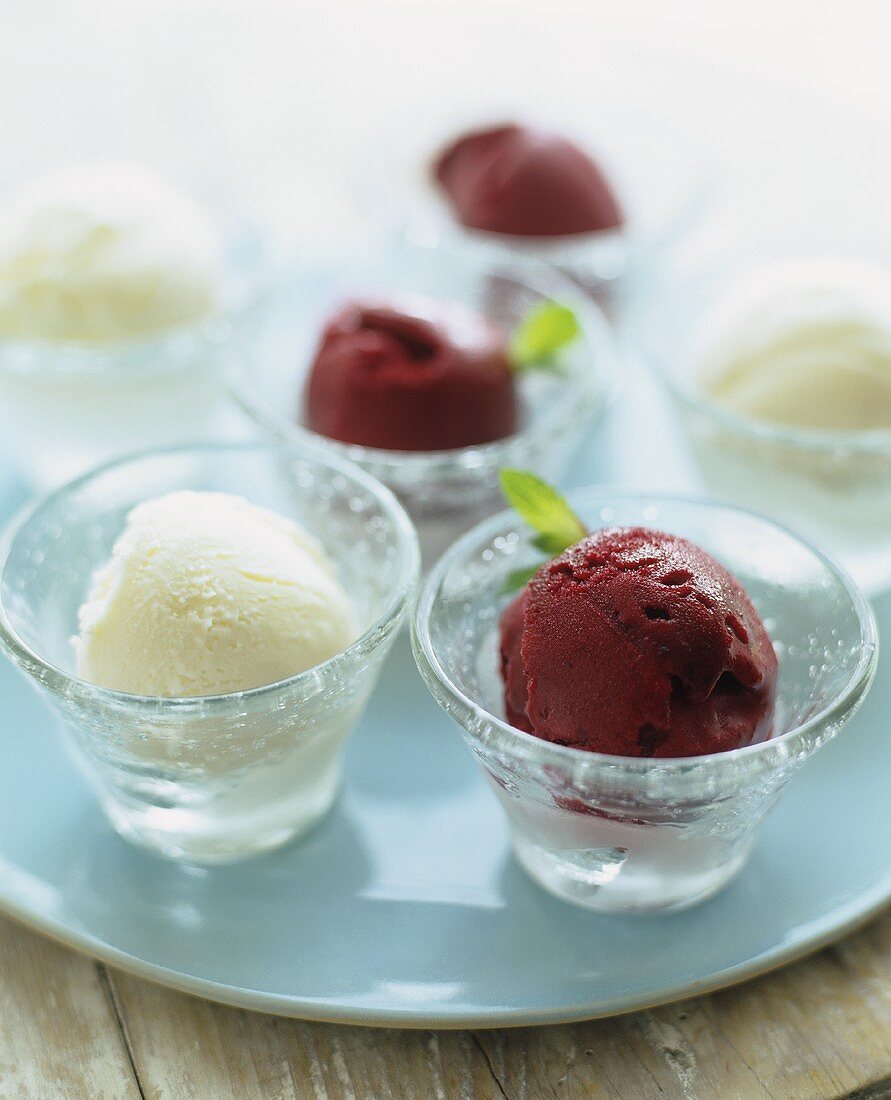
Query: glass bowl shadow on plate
column 67, row 406
column 833, row 486
column 444, row 492
column 217, row 778
column 619, row 834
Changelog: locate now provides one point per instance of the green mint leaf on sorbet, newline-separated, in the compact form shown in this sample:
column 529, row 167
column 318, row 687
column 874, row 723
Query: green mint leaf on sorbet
column 541, row 506
column 519, row 578
column 544, row 330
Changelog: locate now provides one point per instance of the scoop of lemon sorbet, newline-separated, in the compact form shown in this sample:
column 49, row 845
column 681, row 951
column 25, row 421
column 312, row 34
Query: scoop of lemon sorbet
column 103, row 251
column 206, row 593
column 805, row 344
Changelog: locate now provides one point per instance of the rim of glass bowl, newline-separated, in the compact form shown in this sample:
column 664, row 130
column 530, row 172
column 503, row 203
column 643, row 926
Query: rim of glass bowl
column 583, row 395
column 527, row 746
column 60, row 681
column 160, row 352
column 660, row 346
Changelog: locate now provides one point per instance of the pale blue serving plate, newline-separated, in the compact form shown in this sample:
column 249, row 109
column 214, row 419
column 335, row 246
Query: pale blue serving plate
column 405, row 908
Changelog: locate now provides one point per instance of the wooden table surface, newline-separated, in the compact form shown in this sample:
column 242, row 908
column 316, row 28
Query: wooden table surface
column 70, row 1027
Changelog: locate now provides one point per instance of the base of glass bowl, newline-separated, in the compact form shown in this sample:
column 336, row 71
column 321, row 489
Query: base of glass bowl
column 213, row 833
column 619, row 880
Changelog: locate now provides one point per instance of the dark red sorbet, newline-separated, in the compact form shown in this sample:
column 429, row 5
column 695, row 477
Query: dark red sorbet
column 638, row 643
column 525, row 182
column 428, row 377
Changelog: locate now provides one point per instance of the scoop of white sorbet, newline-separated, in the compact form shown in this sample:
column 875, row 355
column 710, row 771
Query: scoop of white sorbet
column 104, row 251
column 805, row 344
column 206, row 593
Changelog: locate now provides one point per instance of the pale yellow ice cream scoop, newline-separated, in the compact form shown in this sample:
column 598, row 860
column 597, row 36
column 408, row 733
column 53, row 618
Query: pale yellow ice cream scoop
column 104, row 251
column 206, row 593
column 805, row 344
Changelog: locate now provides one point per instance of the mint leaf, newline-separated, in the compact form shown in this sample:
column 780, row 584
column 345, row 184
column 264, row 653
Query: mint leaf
column 544, row 330
column 542, row 507
column 550, row 544
column 519, row 578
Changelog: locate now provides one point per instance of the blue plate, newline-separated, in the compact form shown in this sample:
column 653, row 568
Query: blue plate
column 404, row 907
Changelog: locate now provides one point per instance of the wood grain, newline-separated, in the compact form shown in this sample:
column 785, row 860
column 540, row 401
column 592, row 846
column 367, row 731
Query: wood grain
column 817, row 1030
column 59, row 1035
column 186, row 1048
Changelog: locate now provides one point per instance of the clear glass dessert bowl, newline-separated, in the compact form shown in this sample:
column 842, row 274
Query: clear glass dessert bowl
column 833, row 486
column 619, row 834
column 445, row 492
column 67, row 405
column 216, row 778
column 662, row 186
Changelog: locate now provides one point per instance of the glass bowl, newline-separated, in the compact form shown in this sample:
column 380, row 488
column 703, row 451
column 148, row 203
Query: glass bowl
column 661, row 184
column 833, row 486
column 68, row 406
column 217, row 778
column 620, row 834
column 445, row 492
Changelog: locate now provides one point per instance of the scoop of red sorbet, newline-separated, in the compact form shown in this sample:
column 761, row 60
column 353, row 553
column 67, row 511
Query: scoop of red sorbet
column 527, row 183
column 638, row 643
column 424, row 378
